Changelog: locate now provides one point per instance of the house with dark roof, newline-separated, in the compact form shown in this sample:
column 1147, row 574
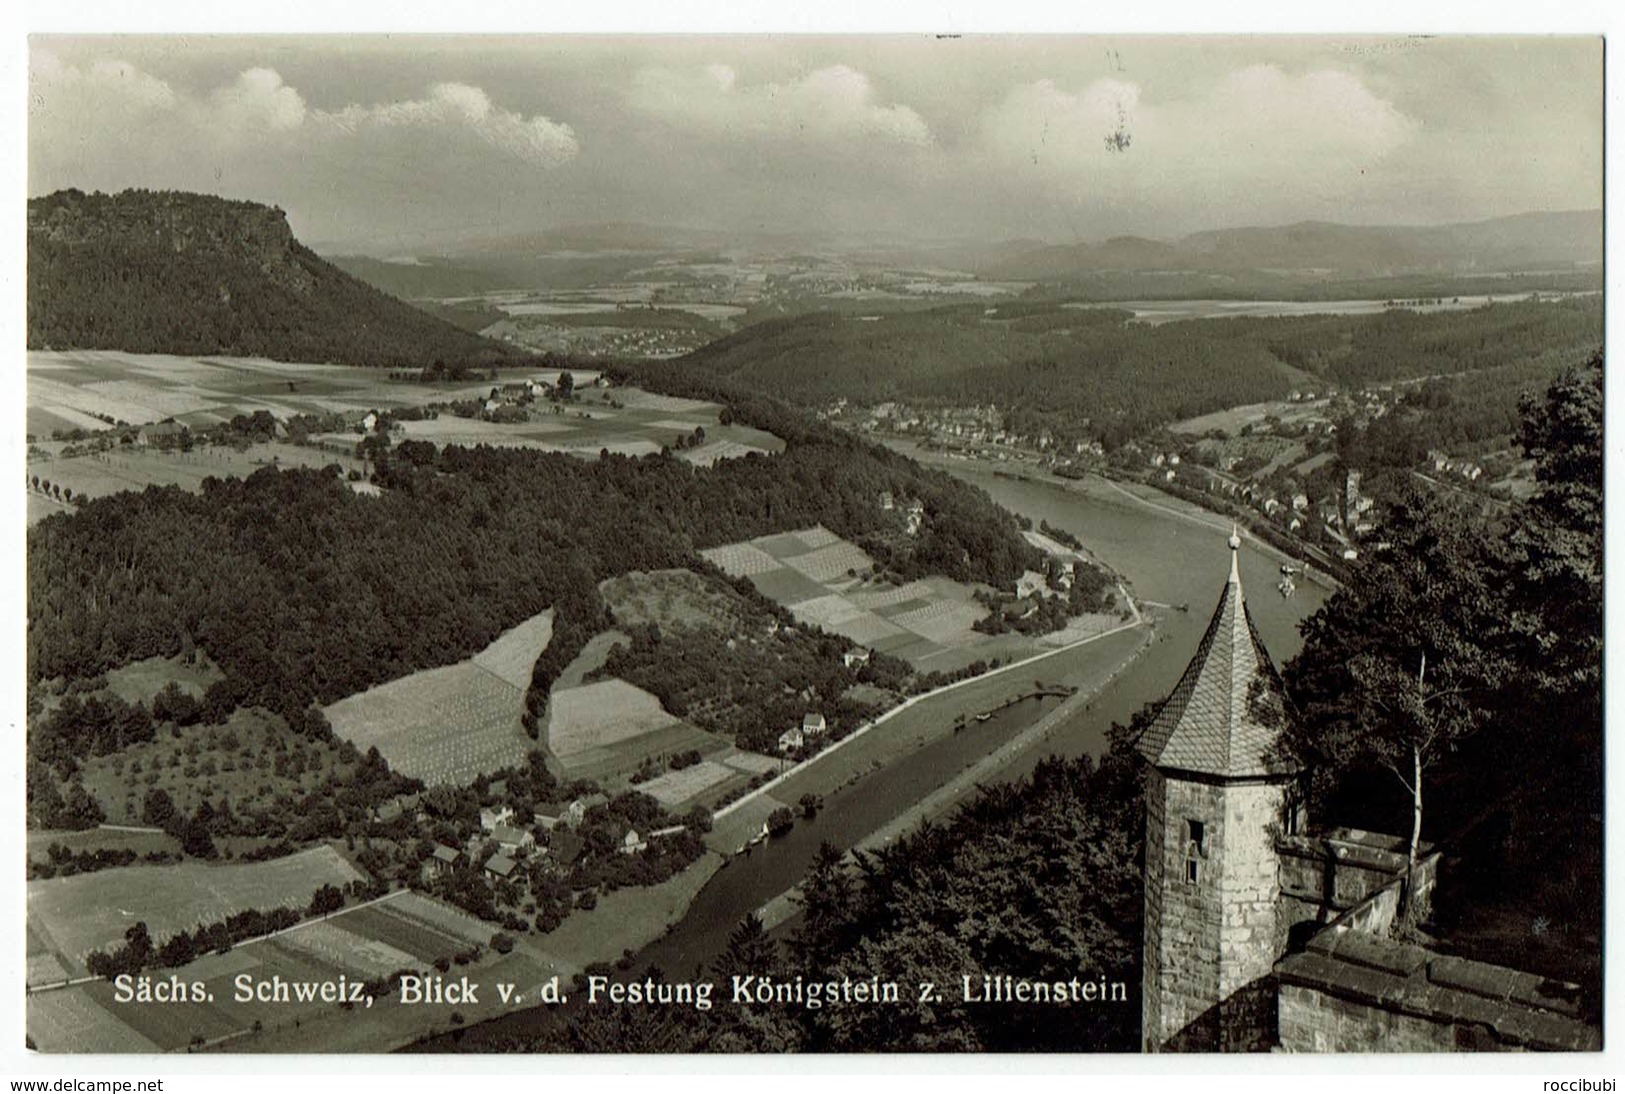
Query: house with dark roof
column 442, row 861
column 500, row 867
column 513, row 840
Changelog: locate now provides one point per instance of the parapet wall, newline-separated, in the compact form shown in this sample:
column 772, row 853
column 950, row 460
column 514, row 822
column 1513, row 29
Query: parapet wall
column 1354, row 989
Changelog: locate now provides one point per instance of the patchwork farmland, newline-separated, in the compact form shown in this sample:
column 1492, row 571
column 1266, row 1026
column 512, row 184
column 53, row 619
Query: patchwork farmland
column 402, row 932
column 450, row 724
column 610, row 726
column 88, row 389
column 827, row 582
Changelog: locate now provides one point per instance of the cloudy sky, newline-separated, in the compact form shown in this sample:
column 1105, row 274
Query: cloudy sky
column 398, row 144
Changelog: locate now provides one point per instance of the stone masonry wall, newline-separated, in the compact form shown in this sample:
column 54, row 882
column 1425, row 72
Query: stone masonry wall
column 1250, row 936
column 1207, row 940
column 1313, row 1021
column 1182, row 951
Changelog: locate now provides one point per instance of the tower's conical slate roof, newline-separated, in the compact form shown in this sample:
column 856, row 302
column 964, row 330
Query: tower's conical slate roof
column 1228, row 710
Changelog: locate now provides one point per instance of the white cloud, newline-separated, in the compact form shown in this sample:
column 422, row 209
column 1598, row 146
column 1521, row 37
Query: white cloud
column 1258, row 133
column 109, row 124
column 538, row 141
column 837, row 102
column 255, row 102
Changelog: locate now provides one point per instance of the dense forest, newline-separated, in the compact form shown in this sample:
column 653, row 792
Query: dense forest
column 165, row 272
column 1090, row 373
column 1453, row 686
column 303, row 591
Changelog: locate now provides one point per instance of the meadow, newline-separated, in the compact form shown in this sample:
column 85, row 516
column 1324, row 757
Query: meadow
column 92, row 389
column 85, row 912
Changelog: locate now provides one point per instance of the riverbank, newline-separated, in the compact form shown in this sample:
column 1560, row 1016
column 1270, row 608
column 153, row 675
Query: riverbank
column 972, row 778
column 1100, row 487
column 934, row 712
column 918, row 757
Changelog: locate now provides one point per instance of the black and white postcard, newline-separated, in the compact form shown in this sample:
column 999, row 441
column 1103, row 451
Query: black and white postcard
column 864, row 544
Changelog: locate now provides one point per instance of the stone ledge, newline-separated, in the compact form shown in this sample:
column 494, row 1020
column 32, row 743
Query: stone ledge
column 1341, row 977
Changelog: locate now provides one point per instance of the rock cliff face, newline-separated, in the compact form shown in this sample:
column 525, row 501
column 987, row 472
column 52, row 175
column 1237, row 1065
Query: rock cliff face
column 166, row 272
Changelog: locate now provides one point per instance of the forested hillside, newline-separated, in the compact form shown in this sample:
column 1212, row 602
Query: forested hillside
column 163, row 272
column 1319, row 251
column 303, row 591
column 1092, row 372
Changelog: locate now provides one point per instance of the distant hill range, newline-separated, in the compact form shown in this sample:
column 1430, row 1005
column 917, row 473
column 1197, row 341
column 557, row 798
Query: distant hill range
column 166, row 272
column 1544, row 242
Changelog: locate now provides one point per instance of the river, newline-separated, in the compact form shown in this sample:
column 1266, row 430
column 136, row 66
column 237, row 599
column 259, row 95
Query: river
column 1167, row 551
column 1167, row 558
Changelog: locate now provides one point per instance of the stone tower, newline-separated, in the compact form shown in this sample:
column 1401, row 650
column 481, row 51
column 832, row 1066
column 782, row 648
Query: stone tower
column 1217, row 798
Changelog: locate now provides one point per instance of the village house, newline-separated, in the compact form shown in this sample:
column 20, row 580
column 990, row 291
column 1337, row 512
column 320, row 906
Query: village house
column 632, row 843
column 887, row 502
column 500, row 867
column 167, row 431
column 813, row 725
column 492, row 817
column 791, row 739
column 1031, row 583
column 578, row 809
column 512, row 840
column 442, row 861
column 914, row 517
column 856, row 657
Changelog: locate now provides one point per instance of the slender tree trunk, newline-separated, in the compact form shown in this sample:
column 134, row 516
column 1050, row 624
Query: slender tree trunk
column 1412, row 910
column 1416, row 806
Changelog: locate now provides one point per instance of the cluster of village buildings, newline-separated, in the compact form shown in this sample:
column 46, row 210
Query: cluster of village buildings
column 554, row 837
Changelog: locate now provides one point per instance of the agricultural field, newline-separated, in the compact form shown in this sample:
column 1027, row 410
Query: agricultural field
column 609, row 725
column 85, row 912
column 92, row 389
column 97, row 474
column 623, row 421
column 449, row 724
column 512, row 656
column 73, row 386
column 404, row 931
column 677, row 788
column 827, row 582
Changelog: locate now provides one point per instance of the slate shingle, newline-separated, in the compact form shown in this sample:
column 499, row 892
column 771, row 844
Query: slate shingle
column 1226, row 712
